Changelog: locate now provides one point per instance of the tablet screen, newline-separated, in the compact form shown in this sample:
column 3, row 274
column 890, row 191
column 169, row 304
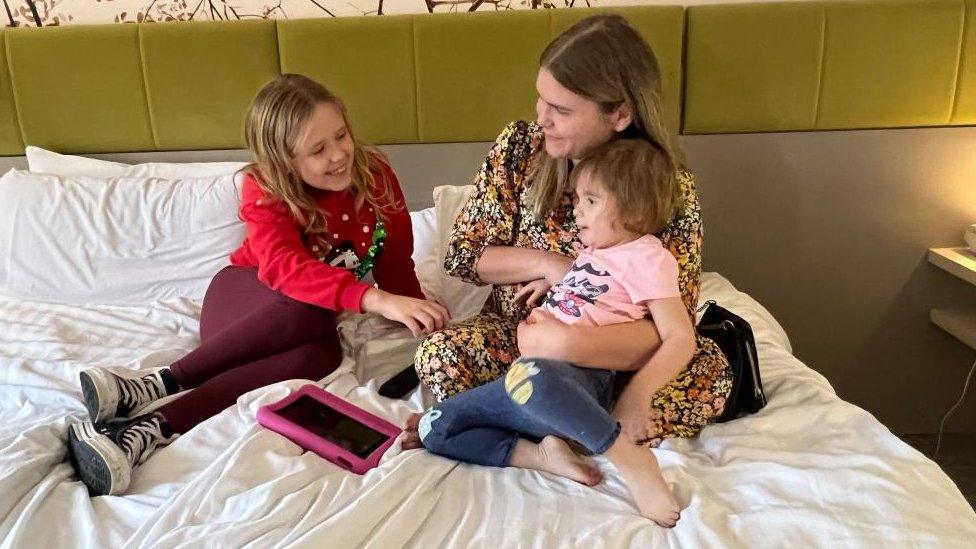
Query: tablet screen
column 337, row 428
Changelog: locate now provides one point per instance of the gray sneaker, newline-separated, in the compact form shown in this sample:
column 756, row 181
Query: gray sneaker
column 109, row 394
column 104, row 454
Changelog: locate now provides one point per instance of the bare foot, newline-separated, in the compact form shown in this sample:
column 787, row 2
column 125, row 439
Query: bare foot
column 411, row 436
column 413, row 421
column 643, row 477
column 411, row 441
column 553, row 455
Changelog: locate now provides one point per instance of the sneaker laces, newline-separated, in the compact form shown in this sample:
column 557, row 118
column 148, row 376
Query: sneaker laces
column 136, row 392
column 138, row 440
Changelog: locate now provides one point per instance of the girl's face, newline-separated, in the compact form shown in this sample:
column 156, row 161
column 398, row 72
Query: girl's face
column 324, row 154
column 596, row 216
column 572, row 124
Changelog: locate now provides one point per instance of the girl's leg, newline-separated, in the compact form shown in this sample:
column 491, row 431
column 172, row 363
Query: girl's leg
column 104, row 454
column 309, row 361
column 243, row 320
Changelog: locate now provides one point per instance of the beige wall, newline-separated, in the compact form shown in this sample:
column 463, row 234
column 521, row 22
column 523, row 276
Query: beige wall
column 829, row 230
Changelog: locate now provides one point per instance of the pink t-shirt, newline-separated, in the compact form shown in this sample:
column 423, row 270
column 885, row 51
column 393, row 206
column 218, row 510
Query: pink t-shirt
column 613, row 285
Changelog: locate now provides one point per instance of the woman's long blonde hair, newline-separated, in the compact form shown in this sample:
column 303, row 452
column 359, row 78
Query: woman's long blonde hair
column 276, row 121
column 604, row 59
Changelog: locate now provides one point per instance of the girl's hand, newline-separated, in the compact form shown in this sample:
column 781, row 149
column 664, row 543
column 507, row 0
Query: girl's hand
column 540, row 335
column 531, row 292
column 421, row 316
column 633, row 411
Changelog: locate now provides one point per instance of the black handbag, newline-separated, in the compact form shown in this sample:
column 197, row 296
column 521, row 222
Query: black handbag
column 733, row 335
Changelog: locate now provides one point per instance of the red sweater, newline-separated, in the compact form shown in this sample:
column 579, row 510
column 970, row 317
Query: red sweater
column 299, row 267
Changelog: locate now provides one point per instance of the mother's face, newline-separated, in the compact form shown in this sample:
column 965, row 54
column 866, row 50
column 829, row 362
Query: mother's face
column 573, row 125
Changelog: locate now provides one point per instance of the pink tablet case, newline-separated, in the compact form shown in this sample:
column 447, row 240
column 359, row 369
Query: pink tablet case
column 268, row 417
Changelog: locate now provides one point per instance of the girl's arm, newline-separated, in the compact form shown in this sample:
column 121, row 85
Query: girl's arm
column 283, row 262
column 677, row 348
column 624, row 346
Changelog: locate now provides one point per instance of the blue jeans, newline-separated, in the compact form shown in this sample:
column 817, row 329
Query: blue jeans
column 536, row 398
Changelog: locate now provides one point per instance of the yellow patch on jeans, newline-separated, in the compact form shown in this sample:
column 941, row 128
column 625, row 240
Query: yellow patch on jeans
column 517, row 381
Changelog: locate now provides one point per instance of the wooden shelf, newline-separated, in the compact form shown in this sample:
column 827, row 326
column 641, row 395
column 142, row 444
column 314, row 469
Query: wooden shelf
column 959, row 261
column 961, row 324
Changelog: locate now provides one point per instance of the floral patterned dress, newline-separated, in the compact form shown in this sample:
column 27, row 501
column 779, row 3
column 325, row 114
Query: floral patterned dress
column 499, row 213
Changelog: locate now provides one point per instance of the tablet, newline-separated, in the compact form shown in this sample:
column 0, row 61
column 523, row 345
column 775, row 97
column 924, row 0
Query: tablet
column 339, row 431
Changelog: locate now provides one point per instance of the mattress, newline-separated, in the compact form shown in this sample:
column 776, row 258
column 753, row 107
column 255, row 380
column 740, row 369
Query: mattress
column 809, row 470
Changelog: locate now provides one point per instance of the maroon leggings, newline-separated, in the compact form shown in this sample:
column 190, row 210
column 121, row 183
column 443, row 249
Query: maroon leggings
column 251, row 336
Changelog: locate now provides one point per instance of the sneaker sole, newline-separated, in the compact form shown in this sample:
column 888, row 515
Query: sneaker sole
column 92, row 455
column 100, row 392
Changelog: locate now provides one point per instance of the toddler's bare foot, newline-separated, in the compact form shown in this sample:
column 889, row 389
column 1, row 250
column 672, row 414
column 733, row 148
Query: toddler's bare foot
column 413, row 421
column 643, row 477
column 553, row 455
column 411, row 436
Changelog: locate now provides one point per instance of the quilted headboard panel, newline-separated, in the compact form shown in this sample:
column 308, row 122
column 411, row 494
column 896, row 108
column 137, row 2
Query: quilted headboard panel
column 830, row 65
column 186, row 86
column 792, row 66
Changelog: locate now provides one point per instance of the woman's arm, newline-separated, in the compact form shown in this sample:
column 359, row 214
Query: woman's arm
column 490, row 217
column 624, row 346
column 511, row 265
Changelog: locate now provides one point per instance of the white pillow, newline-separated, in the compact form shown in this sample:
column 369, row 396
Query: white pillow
column 462, row 298
column 118, row 241
column 44, row 161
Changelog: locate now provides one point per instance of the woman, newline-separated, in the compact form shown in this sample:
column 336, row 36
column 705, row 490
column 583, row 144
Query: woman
column 597, row 81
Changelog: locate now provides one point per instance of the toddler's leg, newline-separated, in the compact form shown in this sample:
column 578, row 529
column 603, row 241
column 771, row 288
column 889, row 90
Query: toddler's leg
column 483, row 426
column 641, row 473
column 570, row 400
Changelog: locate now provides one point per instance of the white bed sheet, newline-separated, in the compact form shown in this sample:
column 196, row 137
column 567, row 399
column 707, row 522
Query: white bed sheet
column 810, row 470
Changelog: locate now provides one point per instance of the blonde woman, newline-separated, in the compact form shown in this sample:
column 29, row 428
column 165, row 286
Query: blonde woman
column 598, row 81
column 313, row 198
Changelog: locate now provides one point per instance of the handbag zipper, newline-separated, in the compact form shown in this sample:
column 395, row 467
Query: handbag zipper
column 756, row 391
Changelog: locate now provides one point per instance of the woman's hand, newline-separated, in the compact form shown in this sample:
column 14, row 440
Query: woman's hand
column 633, row 411
column 531, row 292
column 421, row 316
column 540, row 335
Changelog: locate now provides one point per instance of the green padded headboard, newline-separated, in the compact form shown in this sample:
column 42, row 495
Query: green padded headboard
column 186, row 86
column 790, row 66
column 830, row 65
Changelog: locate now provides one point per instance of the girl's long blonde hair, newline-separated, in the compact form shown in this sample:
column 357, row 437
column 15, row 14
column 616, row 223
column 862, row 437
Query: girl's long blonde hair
column 276, row 121
column 604, row 59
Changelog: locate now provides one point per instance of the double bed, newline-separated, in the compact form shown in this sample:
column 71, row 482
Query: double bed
column 809, row 470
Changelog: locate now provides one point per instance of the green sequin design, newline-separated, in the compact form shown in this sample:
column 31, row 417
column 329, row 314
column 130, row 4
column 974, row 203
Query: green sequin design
column 368, row 260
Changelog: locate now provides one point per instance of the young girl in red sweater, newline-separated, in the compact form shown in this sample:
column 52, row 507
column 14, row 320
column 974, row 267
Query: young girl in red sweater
column 322, row 212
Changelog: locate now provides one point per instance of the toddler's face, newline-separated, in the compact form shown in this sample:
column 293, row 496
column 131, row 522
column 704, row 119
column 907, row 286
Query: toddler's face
column 596, row 216
column 324, row 155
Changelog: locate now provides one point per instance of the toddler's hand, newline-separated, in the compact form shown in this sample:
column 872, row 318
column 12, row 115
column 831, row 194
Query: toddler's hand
column 633, row 411
column 531, row 292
